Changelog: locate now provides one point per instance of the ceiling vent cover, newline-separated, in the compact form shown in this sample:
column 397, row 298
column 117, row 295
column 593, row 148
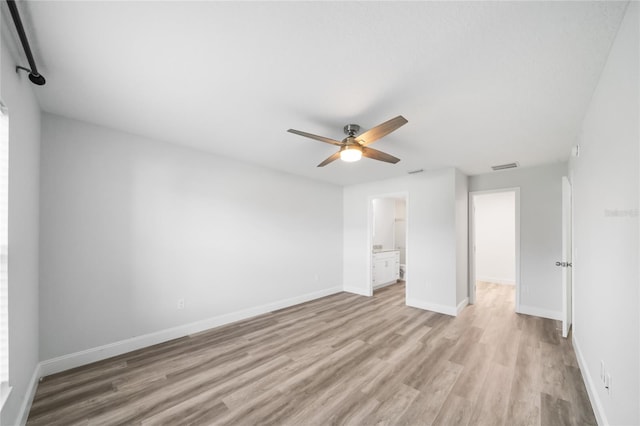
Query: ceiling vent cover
column 505, row 166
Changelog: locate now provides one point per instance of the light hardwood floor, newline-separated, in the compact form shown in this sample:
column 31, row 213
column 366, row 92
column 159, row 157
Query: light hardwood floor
column 343, row 359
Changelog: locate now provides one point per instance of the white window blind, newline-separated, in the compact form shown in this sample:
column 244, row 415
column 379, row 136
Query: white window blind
column 4, row 252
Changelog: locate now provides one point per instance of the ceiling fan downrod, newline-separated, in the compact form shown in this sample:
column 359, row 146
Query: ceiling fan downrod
column 351, row 130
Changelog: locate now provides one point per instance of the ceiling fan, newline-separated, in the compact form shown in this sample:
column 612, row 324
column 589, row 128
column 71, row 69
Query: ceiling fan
column 353, row 148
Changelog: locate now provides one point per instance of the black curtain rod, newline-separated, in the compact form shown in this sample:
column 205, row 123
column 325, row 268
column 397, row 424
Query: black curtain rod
column 34, row 76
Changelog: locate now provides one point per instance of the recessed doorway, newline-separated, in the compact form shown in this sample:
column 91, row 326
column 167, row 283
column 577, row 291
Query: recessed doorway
column 494, row 233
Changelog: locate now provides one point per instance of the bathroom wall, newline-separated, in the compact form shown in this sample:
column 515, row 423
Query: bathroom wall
column 384, row 212
column 400, row 229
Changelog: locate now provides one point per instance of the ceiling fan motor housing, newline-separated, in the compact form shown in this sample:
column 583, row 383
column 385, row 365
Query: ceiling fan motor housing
column 349, row 142
column 351, row 129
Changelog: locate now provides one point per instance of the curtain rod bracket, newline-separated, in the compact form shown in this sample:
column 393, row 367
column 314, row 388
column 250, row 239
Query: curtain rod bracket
column 34, row 77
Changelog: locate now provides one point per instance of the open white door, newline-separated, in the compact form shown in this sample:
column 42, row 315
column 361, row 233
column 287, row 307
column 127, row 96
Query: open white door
column 566, row 257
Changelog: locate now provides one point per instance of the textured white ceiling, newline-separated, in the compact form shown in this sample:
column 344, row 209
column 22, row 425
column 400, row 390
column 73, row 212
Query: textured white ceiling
column 481, row 83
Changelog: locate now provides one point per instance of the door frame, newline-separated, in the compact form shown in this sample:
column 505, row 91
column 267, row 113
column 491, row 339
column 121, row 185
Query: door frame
column 567, row 256
column 472, row 242
column 403, row 195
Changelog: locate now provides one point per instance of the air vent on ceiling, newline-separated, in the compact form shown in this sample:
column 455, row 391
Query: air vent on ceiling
column 505, row 166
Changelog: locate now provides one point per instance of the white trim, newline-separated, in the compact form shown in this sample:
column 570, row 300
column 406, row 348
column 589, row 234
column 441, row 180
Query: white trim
column 5, row 391
column 518, row 260
column 428, row 306
column 567, row 256
column 358, row 290
column 539, row 312
column 378, row 286
column 495, row 280
column 596, row 403
column 4, row 255
column 471, row 257
column 25, row 407
column 77, row 359
column 462, row 305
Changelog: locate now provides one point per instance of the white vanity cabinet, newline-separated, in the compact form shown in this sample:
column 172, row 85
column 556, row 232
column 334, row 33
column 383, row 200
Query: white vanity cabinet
column 385, row 267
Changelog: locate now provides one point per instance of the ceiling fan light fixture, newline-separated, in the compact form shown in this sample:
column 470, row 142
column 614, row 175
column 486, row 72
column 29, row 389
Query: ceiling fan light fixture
column 353, row 148
column 351, row 154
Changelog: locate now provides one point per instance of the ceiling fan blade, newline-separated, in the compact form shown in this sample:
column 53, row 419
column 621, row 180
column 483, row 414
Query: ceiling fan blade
column 379, row 155
column 381, row 130
column 332, row 158
column 316, row 137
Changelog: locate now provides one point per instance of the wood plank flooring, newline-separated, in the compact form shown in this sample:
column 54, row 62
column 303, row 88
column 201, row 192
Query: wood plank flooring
column 342, row 359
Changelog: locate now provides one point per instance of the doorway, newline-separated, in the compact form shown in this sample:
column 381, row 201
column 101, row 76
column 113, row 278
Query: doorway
column 494, row 234
column 387, row 248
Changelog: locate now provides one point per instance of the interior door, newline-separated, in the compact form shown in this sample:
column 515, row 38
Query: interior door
column 566, row 257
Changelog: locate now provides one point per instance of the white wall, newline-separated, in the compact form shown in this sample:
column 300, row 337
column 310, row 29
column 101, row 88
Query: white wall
column 431, row 237
column 495, row 238
column 24, row 146
column 384, row 215
column 462, row 239
column 540, row 232
column 605, row 262
column 130, row 225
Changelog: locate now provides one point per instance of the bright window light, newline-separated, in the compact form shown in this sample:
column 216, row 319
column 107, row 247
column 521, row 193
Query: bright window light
column 4, row 254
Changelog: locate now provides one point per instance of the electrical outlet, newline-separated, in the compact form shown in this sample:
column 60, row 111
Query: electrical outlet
column 602, row 371
column 180, row 303
column 316, row 277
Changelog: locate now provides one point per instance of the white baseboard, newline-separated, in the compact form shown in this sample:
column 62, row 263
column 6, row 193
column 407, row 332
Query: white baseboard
column 538, row 312
column 27, row 400
column 375, row 287
column 495, row 280
column 462, row 305
column 77, row 359
column 357, row 290
column 596, row 403
column 442, row 309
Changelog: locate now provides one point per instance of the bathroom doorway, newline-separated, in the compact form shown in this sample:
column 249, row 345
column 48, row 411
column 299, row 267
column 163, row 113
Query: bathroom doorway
column 388, row 241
